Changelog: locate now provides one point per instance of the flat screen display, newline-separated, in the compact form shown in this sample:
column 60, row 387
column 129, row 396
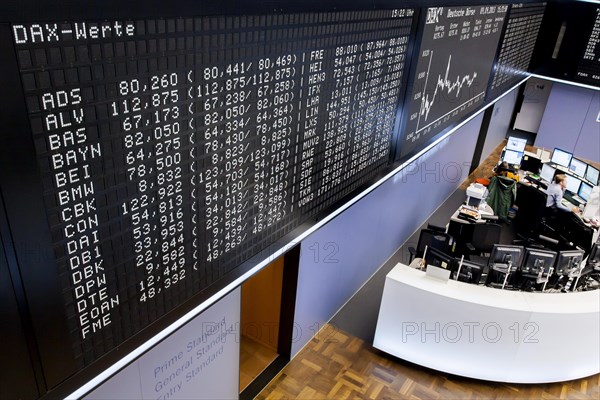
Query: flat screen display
column 516, row 144
column 516, row 49
column 454, row 63
column 592, row 174
column 573, row 184
column 561, row 157
column 512, row 157
column 547, row 173
column 585, row 190
column 588, row 69
column 170, row 151
column 577, row 167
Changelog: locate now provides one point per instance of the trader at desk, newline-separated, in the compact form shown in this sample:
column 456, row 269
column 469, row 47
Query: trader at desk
column 555, row 193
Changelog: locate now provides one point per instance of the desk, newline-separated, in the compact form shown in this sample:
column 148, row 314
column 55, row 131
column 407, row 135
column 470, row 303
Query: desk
column 462, row 230
column 484, row 209
column 486, row 333
column 531, row 202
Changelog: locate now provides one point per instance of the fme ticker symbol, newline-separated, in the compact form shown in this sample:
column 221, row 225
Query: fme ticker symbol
column 433, row 15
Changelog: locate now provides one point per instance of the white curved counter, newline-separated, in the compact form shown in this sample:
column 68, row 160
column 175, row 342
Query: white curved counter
column 485, row 333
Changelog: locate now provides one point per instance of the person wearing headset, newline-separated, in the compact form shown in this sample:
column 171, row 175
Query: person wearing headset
column 555, row 193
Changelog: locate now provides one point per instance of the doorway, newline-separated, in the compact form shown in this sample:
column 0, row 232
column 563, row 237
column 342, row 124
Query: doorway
column 267, row 317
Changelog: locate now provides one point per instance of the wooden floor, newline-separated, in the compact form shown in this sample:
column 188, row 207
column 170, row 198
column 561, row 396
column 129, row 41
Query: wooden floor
column 339, row 366
column 254, row 358
column 486, row 167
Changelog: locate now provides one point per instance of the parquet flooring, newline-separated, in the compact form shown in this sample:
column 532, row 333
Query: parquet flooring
column 335, row 365
column 485, row 168
column 254, row 358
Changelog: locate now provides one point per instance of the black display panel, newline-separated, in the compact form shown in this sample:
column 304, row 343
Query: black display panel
column 570, row 47
column 457, row 51
column 17, row 380
column 166, row 152
column 588, row 69
column 516, row 49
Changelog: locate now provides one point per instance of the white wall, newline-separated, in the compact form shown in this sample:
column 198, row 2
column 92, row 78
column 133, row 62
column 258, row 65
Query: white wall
column 532, row 109
column 199, row 361
column 570, row 122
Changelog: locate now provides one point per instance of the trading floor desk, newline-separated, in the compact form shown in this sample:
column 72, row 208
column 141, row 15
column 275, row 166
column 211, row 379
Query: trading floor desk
column 485, row 333
column 531, row 202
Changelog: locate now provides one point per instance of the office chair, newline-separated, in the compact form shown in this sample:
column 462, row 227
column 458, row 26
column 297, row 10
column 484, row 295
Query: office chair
column 541, row 242
column 532, row 215
column 432, row 239
column 537, row 268
column 485, row 236
column 436, row 228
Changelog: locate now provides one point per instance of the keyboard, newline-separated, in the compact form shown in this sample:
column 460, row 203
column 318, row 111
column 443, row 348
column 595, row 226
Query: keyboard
column 578, row 199
column 539, row 182
column 573, row 199
column 565, row 202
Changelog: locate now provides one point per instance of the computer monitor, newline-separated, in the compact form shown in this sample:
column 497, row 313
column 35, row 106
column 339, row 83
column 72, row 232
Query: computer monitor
column 547, row 173
column 516, row 144
column 438, row 258
column 577, row 167
column 585, row 190
column 573, row 184
column 568, row 261
column 512, row 157
column 538, row 261
column 470, row 272
column 503, row 254
column 594, row 256
column 531, row 164
column 434, row 239
column 561, row 157
column 592, row 174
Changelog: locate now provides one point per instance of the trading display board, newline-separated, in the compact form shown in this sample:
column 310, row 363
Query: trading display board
column 517, row 46
column 569, row 49
column 145, row 160
column 454, row 63
column 589, row 66
column 172, row 150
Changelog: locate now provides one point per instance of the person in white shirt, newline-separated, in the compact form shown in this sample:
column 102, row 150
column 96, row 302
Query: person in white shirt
column 555, row 194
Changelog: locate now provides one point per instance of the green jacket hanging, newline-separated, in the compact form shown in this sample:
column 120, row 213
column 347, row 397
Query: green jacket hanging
column 502, row 195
